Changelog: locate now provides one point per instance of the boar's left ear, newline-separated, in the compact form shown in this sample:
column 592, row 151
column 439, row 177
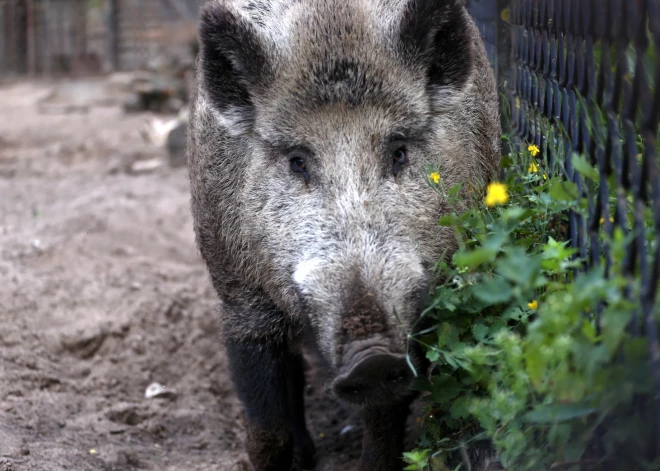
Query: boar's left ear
column 436, row 35
column 234, row 64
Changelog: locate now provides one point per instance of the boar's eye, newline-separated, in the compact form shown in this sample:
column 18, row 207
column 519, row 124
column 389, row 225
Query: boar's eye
column 298, row 166
column 399, row 158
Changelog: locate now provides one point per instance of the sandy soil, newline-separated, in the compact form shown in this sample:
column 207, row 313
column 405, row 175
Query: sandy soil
column 102, row 292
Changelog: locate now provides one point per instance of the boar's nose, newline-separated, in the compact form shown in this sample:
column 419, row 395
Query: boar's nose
column 372, row 375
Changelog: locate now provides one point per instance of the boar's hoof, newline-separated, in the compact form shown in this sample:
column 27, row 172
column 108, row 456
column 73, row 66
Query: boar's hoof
column 269, row 449
column 393, row 464
column 305, row 454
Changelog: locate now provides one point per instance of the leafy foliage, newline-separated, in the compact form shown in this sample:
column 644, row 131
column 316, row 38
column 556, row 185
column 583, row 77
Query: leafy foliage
column 533, row 365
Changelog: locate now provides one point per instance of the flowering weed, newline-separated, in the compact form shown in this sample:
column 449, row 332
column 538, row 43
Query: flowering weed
column 533, row 366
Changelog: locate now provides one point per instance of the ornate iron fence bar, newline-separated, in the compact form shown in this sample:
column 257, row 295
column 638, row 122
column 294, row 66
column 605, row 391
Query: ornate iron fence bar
column 583, row 81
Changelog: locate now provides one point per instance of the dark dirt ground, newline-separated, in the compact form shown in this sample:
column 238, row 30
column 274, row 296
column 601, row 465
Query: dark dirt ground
column 102, row 292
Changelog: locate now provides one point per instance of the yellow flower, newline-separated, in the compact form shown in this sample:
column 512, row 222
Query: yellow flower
column 602, row 220
column 533, row 150
column 496, row 194
column 545, row 177
column 435, row 176
column 533, row 168
column 534, row 305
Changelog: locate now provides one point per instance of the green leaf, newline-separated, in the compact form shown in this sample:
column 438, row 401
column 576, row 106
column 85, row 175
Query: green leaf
column 545, row 198
column 454, row 190
column 444, row 388
column 513, row 313
column 417, row 460
column 415, row 456
column 547, row 414
column 460, row 408
column 535, row 364
column 448, row 220
column 584, row 168
column 432, row 355
column 480, row 331
column 562, row 190
column 493, row 291
column 473, row 258
column 421, row 383
column 447, row 335
column 519, row 267
column 495, row 241
column 514, row 213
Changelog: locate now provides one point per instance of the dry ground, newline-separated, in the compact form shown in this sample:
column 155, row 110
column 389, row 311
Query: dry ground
column 102, row 292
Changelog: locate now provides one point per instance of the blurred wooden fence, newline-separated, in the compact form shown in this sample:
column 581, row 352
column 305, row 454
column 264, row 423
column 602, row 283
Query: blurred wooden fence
column 83, row 37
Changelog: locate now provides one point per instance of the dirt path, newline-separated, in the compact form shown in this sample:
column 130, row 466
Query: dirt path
column 102, row 292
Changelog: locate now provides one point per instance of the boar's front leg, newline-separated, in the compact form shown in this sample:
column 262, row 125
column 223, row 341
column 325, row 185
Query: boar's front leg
column 384, row 432
column 304, row 448
column 269, row 380
column 258, row 371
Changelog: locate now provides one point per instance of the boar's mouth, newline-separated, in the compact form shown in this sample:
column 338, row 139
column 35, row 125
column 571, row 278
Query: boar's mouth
column 371, row 373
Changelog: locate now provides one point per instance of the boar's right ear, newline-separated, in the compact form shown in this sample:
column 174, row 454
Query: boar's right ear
column 234, row 64
column 435, row 35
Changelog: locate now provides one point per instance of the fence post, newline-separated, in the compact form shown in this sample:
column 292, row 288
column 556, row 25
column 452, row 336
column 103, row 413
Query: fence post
column 112, row 38
column 503, row 68
column 493, row 20
column 31, row 39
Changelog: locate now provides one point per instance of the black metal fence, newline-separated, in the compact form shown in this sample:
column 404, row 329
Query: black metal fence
column 580, row 77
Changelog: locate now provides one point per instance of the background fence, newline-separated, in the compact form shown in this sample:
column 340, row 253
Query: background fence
column 83, row 37
column 579, row 77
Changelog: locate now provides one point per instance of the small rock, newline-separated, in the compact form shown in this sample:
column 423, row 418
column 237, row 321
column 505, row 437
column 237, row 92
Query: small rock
column 84, row 344
column 145, row 166
column 158, row 390
column 346, row 429
column 201, row 445
column 136, row 286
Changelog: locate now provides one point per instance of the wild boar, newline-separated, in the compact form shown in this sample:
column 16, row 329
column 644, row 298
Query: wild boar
column 311, row 130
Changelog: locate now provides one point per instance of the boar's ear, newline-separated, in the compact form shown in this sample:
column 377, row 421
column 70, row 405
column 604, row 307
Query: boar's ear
column 436, row 35
column 234, row 64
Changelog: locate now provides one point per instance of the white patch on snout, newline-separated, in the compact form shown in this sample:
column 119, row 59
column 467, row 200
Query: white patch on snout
column 305, row 269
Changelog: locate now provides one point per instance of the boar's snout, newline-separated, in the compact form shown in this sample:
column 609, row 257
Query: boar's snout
column 372, row 374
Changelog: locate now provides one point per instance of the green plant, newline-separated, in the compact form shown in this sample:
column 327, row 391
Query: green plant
column 533, row 365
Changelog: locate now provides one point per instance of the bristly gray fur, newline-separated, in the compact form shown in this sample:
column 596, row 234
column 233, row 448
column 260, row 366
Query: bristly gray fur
column 311, row 129
column 339, row 79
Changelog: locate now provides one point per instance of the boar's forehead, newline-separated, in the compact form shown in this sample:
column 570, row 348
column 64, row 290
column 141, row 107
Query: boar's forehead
column 344, row 95
column 351, row 80
column 337, row 56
